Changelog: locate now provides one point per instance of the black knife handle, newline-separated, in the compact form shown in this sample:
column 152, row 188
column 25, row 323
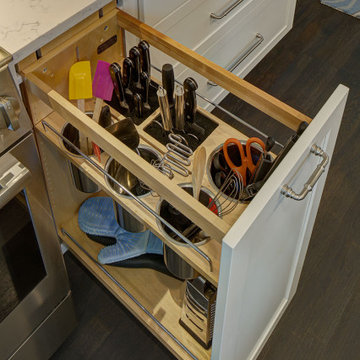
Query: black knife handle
column 138, row 106
column 105, row 117
column 270, row 142
column 145, row 83
column 190, row 104
column 128, row 69
column 168, row 81
column 144, row 49
column 115, row 73
column 134, row 55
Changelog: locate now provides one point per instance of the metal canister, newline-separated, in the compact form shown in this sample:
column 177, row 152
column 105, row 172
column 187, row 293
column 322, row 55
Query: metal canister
column 81, row 181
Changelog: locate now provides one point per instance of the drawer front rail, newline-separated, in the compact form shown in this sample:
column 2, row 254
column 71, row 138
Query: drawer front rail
column 253, row 44
column 134, row 197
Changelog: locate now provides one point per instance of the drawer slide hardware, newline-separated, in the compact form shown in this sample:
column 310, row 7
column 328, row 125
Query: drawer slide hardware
column 226, row 11
column 137, row 199
column 287, row 191
column 253, row 44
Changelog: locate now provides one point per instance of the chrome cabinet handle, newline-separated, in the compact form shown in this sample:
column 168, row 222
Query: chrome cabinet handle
column 13, row 178
column 9, row 113
column 250, row 47
column 226, row 11
column 309, row 185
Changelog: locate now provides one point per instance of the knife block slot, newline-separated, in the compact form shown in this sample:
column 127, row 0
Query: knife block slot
column 208, row 126
column 153, row 102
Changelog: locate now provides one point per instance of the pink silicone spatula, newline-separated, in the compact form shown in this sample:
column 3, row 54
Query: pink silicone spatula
column 102, row 90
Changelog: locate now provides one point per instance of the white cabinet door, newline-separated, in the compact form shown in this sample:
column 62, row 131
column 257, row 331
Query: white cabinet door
column 264, row 251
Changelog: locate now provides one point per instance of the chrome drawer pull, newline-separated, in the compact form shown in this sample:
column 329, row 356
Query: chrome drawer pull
column 309, row 185
column 250, row 47
column 226, row 11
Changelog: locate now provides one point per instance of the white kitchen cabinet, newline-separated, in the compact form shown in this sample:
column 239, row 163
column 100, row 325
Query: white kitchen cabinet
column 256, row 252
column 234, row 34
column 263, row 253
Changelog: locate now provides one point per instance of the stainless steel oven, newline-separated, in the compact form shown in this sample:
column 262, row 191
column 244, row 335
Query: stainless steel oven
column 36, row 310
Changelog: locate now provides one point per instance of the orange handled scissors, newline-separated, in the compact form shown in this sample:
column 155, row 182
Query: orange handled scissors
column 247, row 162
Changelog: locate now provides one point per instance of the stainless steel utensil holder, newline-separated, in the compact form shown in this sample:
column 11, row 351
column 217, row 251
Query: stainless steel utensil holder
column 134, row 197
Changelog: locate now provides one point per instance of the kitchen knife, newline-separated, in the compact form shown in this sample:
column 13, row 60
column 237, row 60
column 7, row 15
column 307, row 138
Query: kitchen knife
column 115, row 73
column 105, row 117
column 190, row 87
column 168, row 81
column 164, row 109
column 134, row 55
column 145, row 83
column 270, row 142
column 128, row 69
column 138, row 106
column 144, row 49
column 179, row 108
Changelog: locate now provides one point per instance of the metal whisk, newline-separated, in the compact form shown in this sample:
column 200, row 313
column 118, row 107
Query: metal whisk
column 226, row 200
column 229, row 194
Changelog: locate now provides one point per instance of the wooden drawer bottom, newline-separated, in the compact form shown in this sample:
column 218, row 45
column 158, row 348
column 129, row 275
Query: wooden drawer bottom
column 160, row 295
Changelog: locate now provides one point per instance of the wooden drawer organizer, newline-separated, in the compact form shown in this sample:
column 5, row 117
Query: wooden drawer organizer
column 155, row 298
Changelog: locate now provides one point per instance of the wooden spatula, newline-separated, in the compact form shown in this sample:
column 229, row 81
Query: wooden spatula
column 198, row 170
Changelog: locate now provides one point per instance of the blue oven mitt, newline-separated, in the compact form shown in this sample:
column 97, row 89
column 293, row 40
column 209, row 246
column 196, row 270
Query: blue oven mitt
column 97, row 218
column 130, row 245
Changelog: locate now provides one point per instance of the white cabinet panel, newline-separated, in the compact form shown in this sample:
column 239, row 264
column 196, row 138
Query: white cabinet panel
column 263, row 253
column 151, row 12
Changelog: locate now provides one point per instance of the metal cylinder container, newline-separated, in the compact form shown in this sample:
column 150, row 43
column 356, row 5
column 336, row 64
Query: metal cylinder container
column 114, row 169
column 175, row 264
column 81, row 181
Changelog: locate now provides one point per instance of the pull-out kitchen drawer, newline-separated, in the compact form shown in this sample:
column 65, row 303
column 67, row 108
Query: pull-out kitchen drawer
column 255, row 254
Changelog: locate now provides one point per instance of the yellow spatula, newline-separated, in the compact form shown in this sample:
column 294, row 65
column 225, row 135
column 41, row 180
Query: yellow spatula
column 80, row 88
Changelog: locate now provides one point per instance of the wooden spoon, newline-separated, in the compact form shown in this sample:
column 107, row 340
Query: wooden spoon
column 198, row 170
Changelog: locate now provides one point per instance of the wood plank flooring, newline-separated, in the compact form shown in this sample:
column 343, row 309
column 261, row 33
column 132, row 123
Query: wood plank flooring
column 323, row 320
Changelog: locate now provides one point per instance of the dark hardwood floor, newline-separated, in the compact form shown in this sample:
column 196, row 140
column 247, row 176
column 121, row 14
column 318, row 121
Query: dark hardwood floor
column 323, row 320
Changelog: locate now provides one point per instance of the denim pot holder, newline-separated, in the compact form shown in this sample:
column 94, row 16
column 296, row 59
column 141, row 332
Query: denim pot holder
column 97, row 219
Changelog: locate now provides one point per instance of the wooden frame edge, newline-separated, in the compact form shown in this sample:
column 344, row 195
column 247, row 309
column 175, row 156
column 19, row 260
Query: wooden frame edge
column 239, row 87
column 157, row 181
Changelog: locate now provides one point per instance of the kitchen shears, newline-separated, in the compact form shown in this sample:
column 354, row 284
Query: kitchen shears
column 247, row 163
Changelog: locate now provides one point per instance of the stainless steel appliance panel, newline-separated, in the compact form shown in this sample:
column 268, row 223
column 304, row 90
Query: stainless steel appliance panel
column 14, row 120
column 51, row 286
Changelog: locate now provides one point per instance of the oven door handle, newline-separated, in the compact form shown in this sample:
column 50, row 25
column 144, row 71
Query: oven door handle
column 13, row 178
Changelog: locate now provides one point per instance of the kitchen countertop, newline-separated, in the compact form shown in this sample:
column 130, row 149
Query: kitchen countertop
column 27, row 25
